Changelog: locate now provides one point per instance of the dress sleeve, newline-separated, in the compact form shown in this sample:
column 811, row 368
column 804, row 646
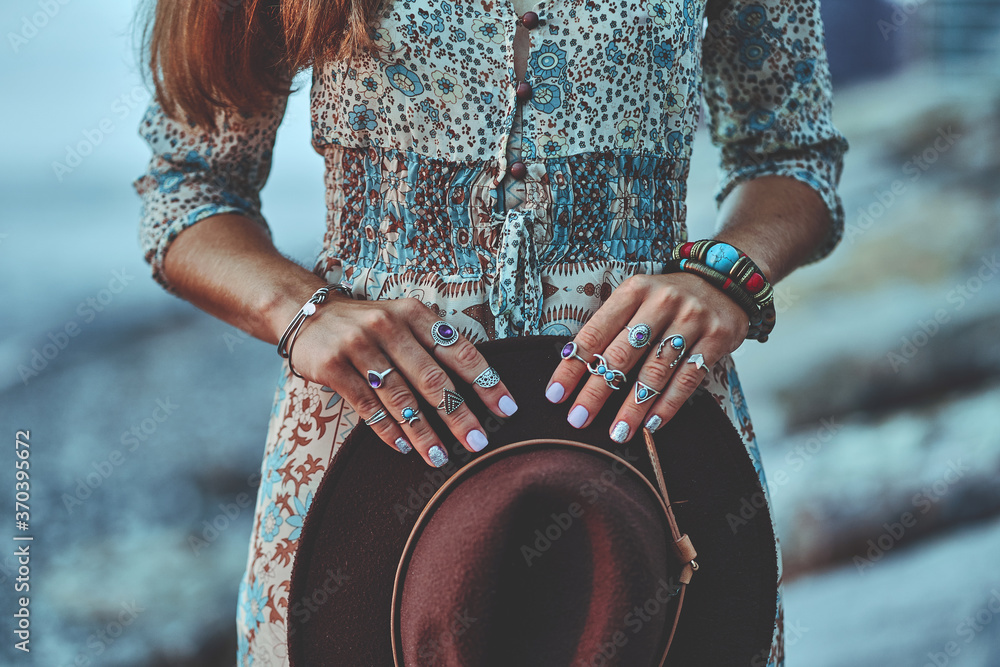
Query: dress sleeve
column 195, row 173
column 767, row 88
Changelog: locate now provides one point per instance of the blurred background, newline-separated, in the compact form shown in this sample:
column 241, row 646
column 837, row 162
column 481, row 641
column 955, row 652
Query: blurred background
column 876, row 402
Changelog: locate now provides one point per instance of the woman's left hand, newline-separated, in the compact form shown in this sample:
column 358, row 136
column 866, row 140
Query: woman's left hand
column 711, row 323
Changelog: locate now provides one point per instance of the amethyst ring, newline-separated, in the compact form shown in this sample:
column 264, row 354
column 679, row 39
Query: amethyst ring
column 376, row 379
column 444, row 334
column 638, row 336
column 569, row 351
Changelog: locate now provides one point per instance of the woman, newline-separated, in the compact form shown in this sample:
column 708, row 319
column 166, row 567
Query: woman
column 515, row 169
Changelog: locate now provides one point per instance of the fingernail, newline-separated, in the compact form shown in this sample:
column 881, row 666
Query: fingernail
column 578, row 416
column 653, row 422
column 477, row 440
column 437, row 456
column 620, row 432
column 403, row 446
column 507, row 405
column 555, row 392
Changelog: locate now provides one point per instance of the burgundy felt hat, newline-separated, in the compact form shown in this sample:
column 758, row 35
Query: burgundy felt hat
column 554, row 546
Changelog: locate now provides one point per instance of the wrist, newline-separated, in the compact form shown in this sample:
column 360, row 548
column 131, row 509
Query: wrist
column 283, row 302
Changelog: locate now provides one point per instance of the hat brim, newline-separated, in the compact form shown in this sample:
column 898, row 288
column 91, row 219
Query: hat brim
column 341, row 594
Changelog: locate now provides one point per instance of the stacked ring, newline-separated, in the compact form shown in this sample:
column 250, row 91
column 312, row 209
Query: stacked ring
column 643, row 392
column 678, row 343
column 375, row 379
column 409, row 415
column 610, row 375
column 443, row 334
column 569, row 352
column 379, row 415
column 638, row 335
column 488, row 378
column 450, row 402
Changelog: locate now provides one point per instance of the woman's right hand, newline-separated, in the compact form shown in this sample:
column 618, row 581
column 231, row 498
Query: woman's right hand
column 344, row 339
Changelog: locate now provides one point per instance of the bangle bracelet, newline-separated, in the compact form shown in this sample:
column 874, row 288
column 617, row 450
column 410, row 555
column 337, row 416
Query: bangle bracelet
column 287, row 340
column 760, row 312
column 732, row 262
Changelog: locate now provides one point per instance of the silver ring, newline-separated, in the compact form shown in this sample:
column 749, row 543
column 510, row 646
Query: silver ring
column 444, row 334
column 375, row 379
column 377, row 417
column 678, row 343
column 698, row 360
column 609, row 374
column 569, row 351
column 450, row 402
column 643, row 392
column 488, row 378
column 409, row 415
column 638, row 336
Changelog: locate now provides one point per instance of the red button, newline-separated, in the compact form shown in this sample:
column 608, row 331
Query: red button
column 529, row 20
column 523, row 91
column 518, row 170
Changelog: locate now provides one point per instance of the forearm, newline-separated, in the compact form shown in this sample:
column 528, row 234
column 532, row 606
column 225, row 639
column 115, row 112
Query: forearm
column 227, row 266
column 776, row 220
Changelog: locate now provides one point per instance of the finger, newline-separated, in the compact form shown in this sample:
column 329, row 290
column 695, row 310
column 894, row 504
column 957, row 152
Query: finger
column 655, row 373
column 400, row 401
column 687, row 377
column 461, row 356
column 608, row 369
column 595, row 337
column 368, row 405
column 430, row 381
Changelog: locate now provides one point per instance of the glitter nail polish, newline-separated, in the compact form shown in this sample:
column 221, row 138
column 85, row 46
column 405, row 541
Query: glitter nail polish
column 437, row 456
column 653, row 423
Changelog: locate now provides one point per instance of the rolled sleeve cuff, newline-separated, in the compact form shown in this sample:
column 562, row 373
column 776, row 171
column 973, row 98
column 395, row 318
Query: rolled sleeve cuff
column 157, row 231
column 819, row 169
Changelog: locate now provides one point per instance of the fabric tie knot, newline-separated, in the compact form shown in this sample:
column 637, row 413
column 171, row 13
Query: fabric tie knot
column 515, row 295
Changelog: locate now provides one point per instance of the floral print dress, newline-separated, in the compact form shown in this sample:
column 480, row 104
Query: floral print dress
column 508, row 214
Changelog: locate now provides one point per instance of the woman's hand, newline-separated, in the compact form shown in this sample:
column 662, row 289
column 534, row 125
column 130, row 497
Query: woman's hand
column 711, row 324
column 346, row 339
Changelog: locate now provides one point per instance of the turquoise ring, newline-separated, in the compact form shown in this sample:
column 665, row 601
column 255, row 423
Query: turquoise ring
column 610, row 375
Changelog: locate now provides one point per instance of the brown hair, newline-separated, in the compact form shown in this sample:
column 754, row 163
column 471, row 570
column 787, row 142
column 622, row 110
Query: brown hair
column 207, row 55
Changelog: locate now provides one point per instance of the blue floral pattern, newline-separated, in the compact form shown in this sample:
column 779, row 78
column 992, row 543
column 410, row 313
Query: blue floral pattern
column 418, row 141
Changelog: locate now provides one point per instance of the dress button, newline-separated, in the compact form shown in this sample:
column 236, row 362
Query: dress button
column 518, row 170
column 529, row 20
column 523, row 91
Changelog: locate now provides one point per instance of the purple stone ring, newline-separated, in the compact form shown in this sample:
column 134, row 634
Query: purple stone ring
column 639, row 335
column 569, row 351
column 444, row 334
column 375, row 379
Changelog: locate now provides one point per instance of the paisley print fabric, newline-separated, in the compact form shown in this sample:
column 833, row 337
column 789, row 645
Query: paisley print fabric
column 421, row 142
